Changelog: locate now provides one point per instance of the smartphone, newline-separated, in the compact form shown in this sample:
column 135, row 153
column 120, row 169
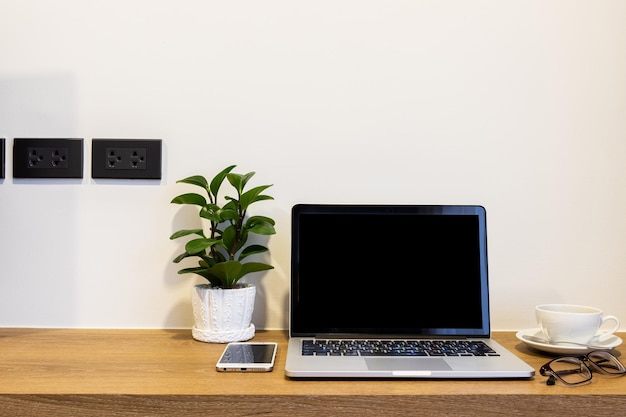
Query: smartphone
column 247, row 357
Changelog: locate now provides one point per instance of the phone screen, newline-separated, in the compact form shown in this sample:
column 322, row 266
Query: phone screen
column 247, row 357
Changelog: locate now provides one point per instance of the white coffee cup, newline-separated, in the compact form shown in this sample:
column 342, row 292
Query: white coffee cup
column 574, row 323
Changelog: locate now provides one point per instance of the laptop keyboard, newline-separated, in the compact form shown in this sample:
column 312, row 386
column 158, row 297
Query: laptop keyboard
column 396, row 348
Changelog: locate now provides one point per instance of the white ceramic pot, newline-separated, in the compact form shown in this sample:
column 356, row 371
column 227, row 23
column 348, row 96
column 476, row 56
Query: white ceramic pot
column 223, row 315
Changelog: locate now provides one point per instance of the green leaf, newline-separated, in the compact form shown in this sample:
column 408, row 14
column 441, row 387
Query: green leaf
column 205, row 273
column 243, row 238
column 238, row 181
column 250, row 267
column 216, row 182
column 253, row 195
column 198, row 180
column 228, row 213
column 253, row 220
column 252, row 250
column 228, row 272
column 229, row 238
column 190, row 198
column 181, row 257
column 263, row 229
column 245, row 178
column 194, row 270
column 199, row 245
column 187, row 232
column 212, row 212
column 207, row 262
column 260, row 225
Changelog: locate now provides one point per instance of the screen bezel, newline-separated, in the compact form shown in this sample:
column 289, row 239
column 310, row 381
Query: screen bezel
column 480, row 330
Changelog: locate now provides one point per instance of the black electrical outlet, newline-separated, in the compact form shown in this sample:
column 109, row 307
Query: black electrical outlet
column 126, row 158
column 2, row 157
column 48, row 158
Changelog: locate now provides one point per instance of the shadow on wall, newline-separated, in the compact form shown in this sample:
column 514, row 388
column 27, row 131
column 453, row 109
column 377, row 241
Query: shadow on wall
column 38, row 105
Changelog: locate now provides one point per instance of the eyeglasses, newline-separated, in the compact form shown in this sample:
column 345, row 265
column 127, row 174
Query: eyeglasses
column 576, row 370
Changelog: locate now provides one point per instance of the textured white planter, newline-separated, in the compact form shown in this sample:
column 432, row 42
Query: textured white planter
column 223, row 315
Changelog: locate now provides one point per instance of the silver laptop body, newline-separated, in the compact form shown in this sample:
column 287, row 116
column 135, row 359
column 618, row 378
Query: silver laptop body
column 392, row 291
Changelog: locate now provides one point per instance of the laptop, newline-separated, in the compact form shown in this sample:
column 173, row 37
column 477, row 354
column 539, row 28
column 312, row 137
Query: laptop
column 392, row 291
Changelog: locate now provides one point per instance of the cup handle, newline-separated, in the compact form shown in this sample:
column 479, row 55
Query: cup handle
column 607, row 333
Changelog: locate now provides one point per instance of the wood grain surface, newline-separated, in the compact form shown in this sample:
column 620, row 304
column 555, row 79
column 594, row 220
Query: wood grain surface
column 46, row 372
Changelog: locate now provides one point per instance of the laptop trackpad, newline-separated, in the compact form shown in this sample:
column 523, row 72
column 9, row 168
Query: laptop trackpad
column 406, row 364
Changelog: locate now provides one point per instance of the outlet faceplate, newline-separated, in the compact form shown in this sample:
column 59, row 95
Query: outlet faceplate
column 48, row 158
column 2, row 158
column 126, row 158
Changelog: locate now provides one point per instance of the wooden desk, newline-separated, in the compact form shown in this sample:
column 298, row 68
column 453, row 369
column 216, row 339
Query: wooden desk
column 45, row 372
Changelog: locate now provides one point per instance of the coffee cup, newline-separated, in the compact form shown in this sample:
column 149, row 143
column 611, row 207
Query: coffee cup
column 574, row 323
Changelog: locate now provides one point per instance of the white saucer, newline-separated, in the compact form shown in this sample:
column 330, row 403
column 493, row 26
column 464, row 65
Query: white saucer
column 565, row 349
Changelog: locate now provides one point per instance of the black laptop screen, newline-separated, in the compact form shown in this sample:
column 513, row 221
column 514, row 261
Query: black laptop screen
column 397, row 270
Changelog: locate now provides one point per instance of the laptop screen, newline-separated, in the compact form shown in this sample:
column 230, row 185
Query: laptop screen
column 389, row 270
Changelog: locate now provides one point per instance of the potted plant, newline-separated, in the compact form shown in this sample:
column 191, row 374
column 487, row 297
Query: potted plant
column 223, row 306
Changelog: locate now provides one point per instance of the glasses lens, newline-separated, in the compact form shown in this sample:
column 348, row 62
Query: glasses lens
column 606, row 363
column 570, row 370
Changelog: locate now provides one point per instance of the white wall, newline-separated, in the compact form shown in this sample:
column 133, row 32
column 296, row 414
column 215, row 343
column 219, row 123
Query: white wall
column 516, row 105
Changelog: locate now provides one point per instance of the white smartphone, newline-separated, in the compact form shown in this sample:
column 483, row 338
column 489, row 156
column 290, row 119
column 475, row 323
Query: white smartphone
column 247, row 357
